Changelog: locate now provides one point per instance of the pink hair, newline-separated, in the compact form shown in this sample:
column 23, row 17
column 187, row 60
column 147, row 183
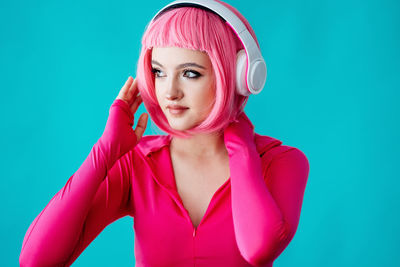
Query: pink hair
column 197, row 29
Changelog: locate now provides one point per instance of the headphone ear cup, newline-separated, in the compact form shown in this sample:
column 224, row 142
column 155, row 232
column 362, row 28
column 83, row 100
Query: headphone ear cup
column 241, row 71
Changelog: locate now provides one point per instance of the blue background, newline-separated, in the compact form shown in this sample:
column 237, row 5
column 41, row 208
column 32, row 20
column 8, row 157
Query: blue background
column 333, row 80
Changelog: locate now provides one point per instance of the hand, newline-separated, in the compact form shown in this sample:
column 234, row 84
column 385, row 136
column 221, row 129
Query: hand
column 119, row 137
column 129, row 94
column 239, row 133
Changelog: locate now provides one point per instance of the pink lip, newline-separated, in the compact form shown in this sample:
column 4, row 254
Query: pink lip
column 176, row 109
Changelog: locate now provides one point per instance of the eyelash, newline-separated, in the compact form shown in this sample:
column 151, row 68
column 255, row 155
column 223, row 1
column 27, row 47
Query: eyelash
column 185, row 71
column 196, row 74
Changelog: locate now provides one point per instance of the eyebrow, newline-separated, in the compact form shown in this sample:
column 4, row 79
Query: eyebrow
column 180, row 66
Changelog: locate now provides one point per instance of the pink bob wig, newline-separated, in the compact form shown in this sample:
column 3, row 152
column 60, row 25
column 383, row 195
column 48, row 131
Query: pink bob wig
column 196, row 29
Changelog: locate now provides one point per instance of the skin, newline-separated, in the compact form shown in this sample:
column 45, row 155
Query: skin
column 187, row 85
column 192, row 86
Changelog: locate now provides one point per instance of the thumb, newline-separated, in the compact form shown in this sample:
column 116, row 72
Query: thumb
column 141, row 126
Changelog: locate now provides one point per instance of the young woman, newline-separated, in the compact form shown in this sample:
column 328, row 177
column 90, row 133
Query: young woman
column 211, row 192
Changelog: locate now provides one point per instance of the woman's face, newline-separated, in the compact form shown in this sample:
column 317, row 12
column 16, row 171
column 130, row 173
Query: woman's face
column 184, row 84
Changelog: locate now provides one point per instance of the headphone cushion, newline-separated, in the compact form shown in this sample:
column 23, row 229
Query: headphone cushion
column 241, row 69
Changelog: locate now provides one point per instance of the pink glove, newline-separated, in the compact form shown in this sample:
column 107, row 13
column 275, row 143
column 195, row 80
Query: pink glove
column 238, row 134
column 118, row 136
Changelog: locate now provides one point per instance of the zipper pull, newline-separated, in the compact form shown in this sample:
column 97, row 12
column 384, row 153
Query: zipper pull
column 194, row 232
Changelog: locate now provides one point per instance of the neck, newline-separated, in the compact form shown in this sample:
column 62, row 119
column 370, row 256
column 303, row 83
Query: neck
column 200, row 145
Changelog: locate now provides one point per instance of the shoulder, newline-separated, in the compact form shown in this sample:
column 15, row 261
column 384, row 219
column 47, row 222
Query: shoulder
column 273, row 151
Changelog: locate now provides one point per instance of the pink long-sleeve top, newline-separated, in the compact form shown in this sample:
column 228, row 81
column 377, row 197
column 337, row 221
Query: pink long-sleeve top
column 249, row 221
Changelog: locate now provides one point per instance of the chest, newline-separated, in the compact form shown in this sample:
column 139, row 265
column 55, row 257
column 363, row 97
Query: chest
column 197, row 182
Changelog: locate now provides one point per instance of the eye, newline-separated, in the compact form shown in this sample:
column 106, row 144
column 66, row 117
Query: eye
column 191, row 74
column 158, row 73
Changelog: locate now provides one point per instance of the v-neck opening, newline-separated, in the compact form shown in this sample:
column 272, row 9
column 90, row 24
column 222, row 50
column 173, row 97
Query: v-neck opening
column 172, row 176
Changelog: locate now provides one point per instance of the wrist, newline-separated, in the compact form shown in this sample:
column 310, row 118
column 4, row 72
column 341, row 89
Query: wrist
column 124, row 106
column 107, row 151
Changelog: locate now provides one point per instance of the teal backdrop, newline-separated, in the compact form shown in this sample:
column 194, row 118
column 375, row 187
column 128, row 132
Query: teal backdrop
column 332, row 91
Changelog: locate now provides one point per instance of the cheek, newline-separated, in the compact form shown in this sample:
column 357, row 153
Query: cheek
column 158, row 93
column 210, row 93
column 206, row 100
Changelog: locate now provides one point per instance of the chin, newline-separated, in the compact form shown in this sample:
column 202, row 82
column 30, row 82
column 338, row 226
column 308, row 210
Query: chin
column 180, row 125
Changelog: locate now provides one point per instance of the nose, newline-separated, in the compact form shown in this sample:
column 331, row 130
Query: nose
column 173, row 90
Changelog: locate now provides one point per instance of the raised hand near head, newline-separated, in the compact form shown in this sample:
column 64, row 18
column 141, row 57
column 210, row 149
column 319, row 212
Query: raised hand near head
column 239, row 134
column 118, row 136
column 130, row 94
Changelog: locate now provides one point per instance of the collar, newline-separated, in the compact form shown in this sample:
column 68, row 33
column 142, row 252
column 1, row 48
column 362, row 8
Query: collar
column 152, row 143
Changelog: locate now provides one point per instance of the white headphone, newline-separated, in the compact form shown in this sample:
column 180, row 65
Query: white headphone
column 250, row 78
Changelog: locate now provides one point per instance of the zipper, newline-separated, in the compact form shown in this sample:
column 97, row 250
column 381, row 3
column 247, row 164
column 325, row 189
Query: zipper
column 194, row 231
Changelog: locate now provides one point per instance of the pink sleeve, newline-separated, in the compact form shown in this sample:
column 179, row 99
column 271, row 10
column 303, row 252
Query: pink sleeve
column 92, row 198
column 266, row 208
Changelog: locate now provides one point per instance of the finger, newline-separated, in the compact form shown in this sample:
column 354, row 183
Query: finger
column 133, row 89
column 123, row 92
column 141, row 126
column 135, row 105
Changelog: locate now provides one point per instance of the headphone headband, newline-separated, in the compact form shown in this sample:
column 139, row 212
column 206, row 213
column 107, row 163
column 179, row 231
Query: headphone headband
column 257, row 70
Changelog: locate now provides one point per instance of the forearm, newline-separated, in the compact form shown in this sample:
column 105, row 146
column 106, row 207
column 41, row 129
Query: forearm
column 258, row 222
column 95, row 195
column 55, row 231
